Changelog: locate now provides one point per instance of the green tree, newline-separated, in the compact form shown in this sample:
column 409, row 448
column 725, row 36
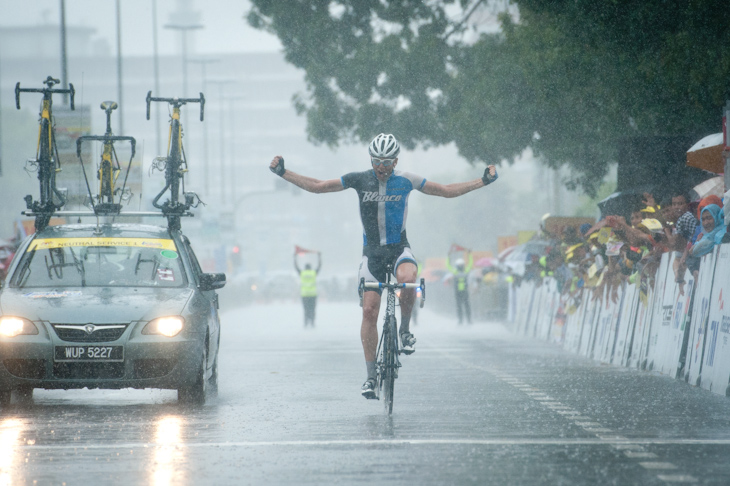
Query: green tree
column 569, row 78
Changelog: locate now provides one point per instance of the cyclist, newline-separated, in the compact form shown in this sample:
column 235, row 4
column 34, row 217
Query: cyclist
column 460, row 270
column 308, row 288
column 383, row 193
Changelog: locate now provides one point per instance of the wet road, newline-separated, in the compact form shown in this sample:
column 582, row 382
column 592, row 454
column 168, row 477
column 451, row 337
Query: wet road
column 473, row 405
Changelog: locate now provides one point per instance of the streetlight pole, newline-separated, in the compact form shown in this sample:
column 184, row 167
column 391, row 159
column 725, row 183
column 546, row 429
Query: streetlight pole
column 156, row 63
column 184, row 28
column 64, row 60
column 206, row 164
column 119, row 69
column 221, row 135
column 232, row 140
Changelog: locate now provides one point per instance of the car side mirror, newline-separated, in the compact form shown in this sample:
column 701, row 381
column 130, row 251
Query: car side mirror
column 212, row 281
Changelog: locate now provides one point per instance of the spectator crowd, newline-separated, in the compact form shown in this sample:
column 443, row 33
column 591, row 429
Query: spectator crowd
column 615, row 250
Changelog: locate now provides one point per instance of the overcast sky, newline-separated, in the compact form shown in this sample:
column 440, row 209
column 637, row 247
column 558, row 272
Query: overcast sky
column 224, row 28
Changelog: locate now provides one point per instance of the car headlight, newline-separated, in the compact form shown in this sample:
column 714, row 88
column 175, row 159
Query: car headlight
column 13, row 326
column 167, row 326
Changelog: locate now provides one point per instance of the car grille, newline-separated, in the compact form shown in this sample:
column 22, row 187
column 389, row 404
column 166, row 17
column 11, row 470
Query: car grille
column 88, row 371
column 26, row 368
column 100, row 333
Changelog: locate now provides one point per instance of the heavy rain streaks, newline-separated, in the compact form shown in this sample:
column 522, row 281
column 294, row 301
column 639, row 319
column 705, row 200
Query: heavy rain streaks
column 473, row 404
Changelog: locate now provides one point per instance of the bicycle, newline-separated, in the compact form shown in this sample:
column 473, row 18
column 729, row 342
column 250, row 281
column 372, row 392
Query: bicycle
column 174, row 164
column 387, row 362
column 47, row 161
column 109, row 167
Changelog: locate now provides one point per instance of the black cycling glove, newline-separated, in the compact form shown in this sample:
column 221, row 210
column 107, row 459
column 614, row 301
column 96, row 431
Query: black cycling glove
column 487, row 178
column 279, row 169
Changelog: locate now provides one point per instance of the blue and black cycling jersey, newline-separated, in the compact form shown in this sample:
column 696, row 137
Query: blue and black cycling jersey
column 383, row 205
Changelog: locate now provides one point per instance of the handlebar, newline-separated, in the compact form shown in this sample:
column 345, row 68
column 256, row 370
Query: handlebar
column 176, row 102
column 381, row 285
column 47, row 92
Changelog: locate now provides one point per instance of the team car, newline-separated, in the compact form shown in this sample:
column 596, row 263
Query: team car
column 109, row 306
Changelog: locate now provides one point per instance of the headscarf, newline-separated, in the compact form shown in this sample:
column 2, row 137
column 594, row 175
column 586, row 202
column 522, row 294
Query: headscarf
column 711, row 199
column 714, row 237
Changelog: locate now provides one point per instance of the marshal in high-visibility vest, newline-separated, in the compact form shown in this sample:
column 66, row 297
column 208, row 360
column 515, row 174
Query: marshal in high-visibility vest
column 308, row 288
column 460, row 271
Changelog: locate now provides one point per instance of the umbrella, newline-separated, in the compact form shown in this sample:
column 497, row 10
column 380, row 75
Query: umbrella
column 623, row 202
column 714, row 186
column 707, row 154
column 486, row 262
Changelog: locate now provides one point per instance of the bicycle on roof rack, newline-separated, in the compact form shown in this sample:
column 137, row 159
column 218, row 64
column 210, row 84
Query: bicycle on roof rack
column 109, row 167
column 47, row 162
column 175, row 164
column 387, row 362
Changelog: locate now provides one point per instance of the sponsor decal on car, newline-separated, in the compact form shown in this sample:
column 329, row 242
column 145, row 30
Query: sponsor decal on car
column 48, row 243
column 53, row 294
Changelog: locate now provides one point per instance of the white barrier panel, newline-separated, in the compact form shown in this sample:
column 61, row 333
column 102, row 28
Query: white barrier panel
column 549, row 307
column 661, row 315
column 598, row 326
column 525, row 296
column 700, row 313
column 586, row 334
column 680, row 316
column 575, row 323
column 645, row 318
column 626, row 325
column 511, row 303
column 595, row 324
column 716, row 366
column 612, row 309
column 536, row 311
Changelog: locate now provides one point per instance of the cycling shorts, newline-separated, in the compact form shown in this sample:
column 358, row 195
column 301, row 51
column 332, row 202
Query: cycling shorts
column 373, row 267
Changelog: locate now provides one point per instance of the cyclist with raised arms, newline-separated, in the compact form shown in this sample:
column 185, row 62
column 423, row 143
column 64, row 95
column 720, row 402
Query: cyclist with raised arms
column 383, row 193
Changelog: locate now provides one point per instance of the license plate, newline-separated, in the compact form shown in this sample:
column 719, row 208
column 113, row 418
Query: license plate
column 89, row 353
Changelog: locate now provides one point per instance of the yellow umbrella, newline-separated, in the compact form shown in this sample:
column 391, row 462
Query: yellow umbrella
column 707, row 154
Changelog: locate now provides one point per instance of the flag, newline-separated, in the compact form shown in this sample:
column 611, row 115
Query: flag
column 456, row 248
column 298, row 250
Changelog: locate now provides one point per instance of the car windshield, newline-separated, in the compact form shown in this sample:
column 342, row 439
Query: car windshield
column 99, row 262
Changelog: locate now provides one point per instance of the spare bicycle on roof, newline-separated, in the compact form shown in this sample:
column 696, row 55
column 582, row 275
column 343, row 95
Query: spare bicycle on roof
column 175, row 164
column 47, row 162
column 109, row 168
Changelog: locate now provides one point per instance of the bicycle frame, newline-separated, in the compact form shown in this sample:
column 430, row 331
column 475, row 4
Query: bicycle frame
column 175, row 163
column 387, row 361
column 47, row 157
column 109, row 167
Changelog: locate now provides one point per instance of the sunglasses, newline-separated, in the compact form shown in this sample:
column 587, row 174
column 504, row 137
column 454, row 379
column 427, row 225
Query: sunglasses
column 383, row 162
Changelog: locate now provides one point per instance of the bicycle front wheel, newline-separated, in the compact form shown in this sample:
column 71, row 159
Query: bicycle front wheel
column 389, row 364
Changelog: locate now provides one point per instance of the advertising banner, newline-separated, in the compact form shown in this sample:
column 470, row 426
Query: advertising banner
column 700, row 313
column 716, row 366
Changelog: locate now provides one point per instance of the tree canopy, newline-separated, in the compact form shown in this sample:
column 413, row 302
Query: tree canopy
column 568, row 78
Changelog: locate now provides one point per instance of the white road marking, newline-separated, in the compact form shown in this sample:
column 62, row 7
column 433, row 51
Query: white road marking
column 625, row 443
column 677, row 478
column 657, row 465
column 640, row 455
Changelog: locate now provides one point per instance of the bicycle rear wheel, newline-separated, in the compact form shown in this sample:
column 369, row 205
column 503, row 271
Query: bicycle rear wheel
column 390, row 348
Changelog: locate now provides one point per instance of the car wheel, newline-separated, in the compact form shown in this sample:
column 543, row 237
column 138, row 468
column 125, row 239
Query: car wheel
column 5, row 398
column 213, row 382
column 24, row 394
column 195, row 394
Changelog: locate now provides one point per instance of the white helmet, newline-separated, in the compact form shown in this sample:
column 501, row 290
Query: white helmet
column 459, row 262
column 384, row 146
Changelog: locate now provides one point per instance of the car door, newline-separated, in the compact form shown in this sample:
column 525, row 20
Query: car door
column 211, row 298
